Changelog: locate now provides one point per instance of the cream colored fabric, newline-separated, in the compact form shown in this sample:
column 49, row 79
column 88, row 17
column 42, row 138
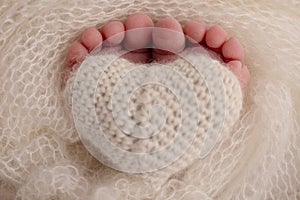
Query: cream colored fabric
column 204, row 78
column 41, row 156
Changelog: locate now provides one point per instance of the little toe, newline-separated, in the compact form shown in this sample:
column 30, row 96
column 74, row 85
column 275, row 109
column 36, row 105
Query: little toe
column 215, row 37
column 91, row 38
column 240, row 71
column 113, row 33
column 168, row 38
column 76, row 54
column 233, row 50
column 195, row 31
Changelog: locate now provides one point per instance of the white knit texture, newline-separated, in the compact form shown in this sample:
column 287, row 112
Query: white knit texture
column 204, row 85
column 41, row 156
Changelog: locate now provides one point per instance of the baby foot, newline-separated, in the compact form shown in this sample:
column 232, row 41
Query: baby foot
column 167, row 39
column 214, row 39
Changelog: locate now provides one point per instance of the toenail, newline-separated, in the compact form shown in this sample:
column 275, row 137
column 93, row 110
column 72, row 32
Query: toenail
column 235, row 65
column 239, row 65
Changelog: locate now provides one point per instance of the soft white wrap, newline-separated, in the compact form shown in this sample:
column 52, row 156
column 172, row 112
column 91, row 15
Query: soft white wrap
column 41, row 156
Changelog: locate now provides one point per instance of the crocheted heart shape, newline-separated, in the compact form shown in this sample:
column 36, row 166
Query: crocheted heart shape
column 153, row 117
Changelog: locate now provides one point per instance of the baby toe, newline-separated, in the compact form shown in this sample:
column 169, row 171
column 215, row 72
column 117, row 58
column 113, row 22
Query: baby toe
column 91, row 38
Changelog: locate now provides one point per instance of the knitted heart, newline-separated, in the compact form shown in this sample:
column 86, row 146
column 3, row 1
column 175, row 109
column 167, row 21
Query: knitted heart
column 115, row 109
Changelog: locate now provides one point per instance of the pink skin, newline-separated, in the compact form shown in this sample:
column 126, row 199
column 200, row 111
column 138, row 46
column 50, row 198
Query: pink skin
column 173, row 40
column 77, row 53
column 214, row 38
column 233, row 50
column 91, row 38
column 167, row 39
column 137, row 39
column 195, row 30
column 115, row 29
